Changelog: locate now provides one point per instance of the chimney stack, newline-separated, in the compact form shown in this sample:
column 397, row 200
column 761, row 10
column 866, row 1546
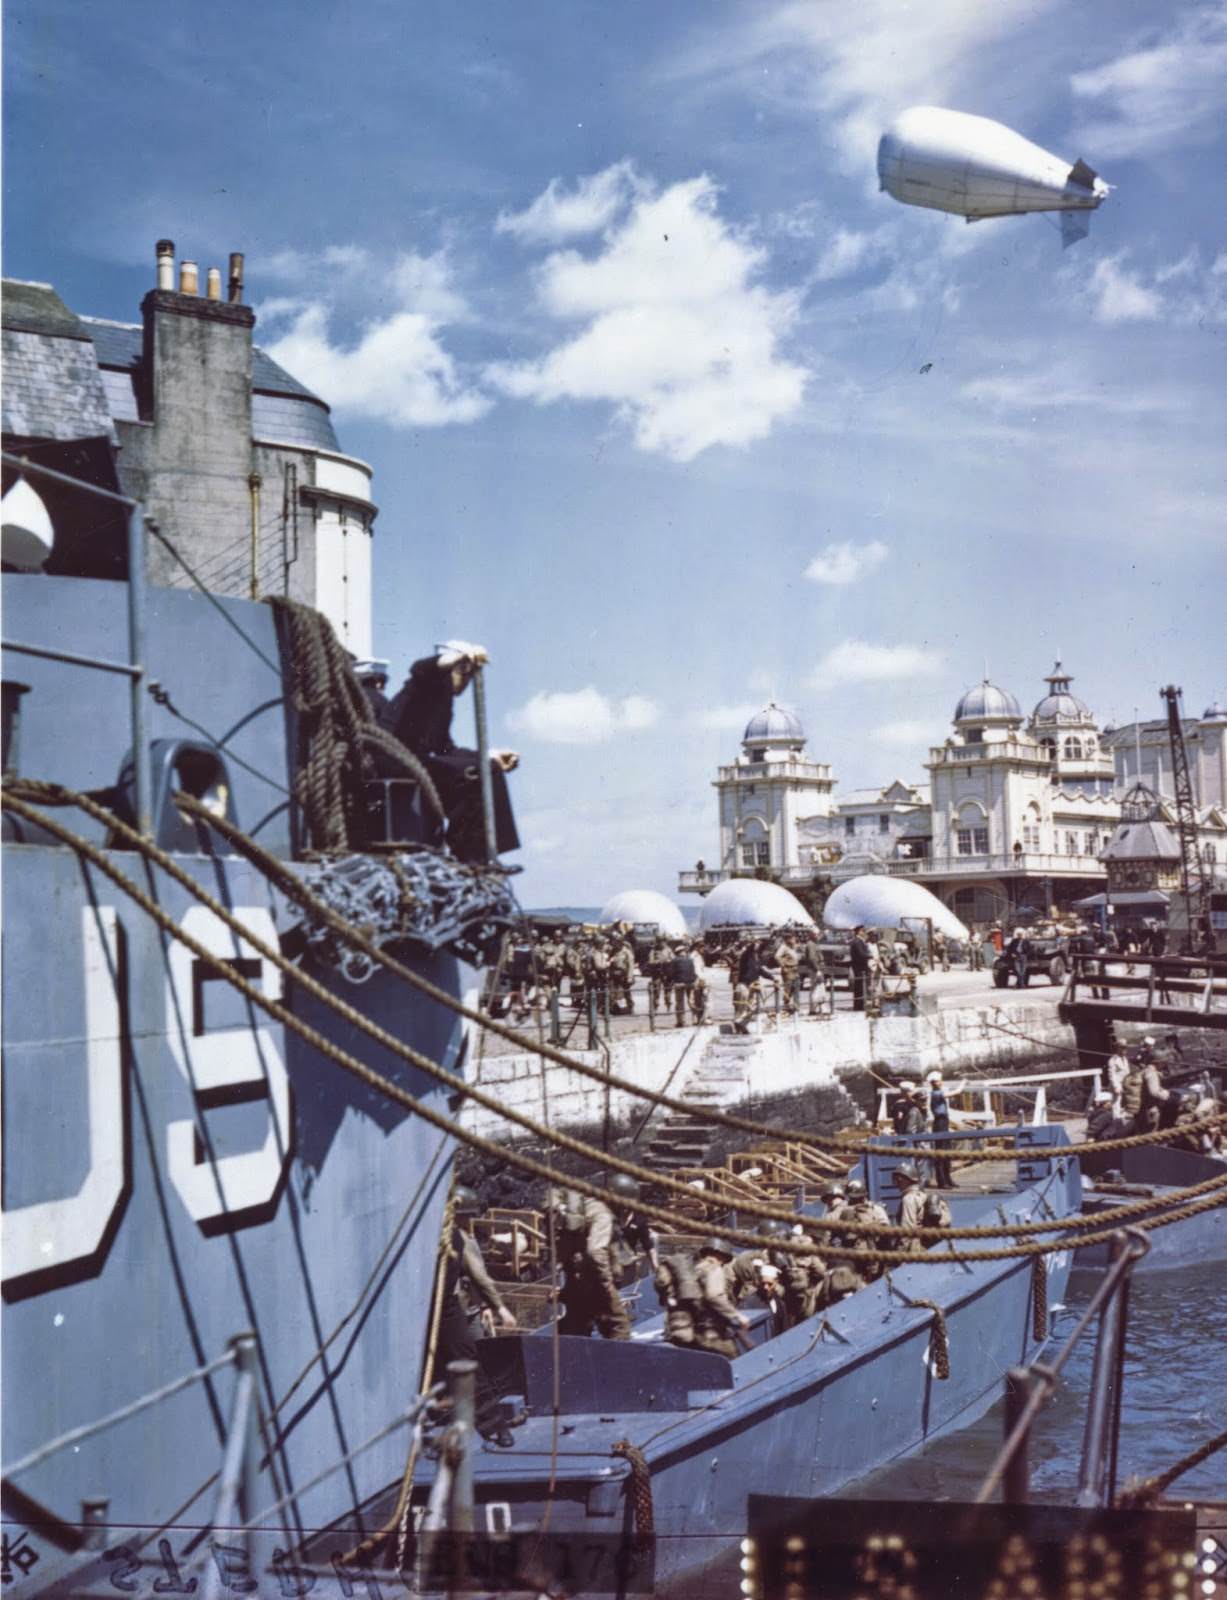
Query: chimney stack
column 236, row 278
column 166, row 263
column 189, row 278
column 213, row 284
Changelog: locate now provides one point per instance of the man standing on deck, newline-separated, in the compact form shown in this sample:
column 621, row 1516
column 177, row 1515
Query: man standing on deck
column 939, row 1112
column 860, row 958
column 788, row 958
column 471, row 1304
column 911, row 1207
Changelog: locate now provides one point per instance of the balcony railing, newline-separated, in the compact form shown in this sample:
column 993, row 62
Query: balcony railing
column 962, row 755
column 702, row 882
column 1029, row 862
column 760, row 771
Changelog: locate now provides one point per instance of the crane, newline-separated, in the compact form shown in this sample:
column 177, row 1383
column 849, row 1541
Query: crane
column 1194, row 879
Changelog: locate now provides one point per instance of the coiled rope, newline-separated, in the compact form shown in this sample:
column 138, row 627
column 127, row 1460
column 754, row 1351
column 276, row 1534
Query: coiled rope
column 1095, row 1225
column 338, row 732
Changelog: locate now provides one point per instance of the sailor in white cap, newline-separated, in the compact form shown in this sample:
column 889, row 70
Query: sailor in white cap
column 372, row 673
column 421, row 718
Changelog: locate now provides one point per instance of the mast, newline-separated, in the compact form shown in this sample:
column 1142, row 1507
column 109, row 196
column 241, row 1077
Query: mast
column 1195, row 881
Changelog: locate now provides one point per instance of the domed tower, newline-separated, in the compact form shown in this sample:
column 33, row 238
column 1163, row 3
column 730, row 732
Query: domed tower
column 987, row 714
column 1066, row 729
column 762, row 796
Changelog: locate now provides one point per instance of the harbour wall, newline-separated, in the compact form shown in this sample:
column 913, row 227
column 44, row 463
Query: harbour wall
column 783, row 1063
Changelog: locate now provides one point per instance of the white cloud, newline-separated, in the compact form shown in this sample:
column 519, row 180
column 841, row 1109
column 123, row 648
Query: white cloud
column 589, row 208
column 677, row 335
column 726, row 718
column 855, row 661
column 582, row 716
column 847, row 562
column 1118, row 295
column 847, row 251
column 856, row 66
column 1164, row 97
column 396, row 368
column 1067, row 386
column 906, row 731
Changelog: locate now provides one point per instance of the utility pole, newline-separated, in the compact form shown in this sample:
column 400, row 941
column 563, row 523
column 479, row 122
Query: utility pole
column 1194, row 879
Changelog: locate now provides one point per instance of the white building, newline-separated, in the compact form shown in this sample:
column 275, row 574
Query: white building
column 1016, row 813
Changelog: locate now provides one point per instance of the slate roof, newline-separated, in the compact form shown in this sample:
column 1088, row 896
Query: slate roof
column 52, row 386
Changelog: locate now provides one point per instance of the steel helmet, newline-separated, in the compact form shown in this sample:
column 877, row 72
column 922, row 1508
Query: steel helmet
column 465, row 1199
column 855, row 1189
column 906, row 1173
column 718, row 1247
column 623, row 1186
column 772, row 1227
column 831, row 1191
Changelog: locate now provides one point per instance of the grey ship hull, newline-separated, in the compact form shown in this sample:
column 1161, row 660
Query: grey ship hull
column 178, row 1169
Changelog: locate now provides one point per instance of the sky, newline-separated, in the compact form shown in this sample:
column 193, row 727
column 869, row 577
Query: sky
column 668, row 406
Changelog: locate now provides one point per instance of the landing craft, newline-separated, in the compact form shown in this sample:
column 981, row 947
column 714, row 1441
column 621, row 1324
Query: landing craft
column 976, row 168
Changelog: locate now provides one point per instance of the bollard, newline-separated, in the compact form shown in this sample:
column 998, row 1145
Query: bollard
column 1016, row 1486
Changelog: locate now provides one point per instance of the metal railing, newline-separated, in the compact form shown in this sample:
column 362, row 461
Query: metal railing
column 134, row 669
column 1027, row 1388
column 1135, row 985
column 1007, row 861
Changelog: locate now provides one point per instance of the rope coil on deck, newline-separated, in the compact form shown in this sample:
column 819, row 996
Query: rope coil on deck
column 327, row 1047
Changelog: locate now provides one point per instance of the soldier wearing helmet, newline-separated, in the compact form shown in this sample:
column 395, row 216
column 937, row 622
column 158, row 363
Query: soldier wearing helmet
column 597, row 1239
column 718, row 1320
column 912, row 1205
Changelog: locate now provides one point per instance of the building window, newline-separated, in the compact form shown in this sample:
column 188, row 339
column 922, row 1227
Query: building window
column 1073, row 749
column 849, row 826
column 756, row 854
column 1210, row 854
column 884, row 824
column 1071, row 844
column 972, row 841
column 1049, row 747
column 1031, row 837
column 1090, row 844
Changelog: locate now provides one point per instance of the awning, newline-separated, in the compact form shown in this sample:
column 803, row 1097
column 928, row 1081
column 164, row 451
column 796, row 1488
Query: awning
column 1127, row 897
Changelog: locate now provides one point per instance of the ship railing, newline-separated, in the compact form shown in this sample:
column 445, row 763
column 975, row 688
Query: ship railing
column 988, row 1114
column 134, row 668
column 1027, row 1389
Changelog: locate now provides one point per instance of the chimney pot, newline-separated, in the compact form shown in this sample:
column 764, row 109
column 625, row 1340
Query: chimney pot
column 236, row 278
column 213, row 283
column 189, row 278
column 166, row 263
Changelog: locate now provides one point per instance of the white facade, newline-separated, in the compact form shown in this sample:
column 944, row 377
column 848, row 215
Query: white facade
column 344, row 514
column 766, row 792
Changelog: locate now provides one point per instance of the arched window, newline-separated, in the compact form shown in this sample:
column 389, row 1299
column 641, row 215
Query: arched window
column 1073, row 749
column 1031, row 829
column 971, row 831
column 1049, row 747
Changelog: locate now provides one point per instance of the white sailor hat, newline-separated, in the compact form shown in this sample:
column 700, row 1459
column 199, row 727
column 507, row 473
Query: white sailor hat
column 371, row 667
column 452, row 651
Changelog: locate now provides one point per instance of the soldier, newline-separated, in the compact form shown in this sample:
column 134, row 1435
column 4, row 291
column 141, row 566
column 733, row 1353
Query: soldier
column 682, row 975
column 677, row 1288
column 471, row 1302
column 596, row 1238
column 755, row 1271
column 1132, row 1095
column 698, row 989
column 804, row 1279
column 911, row 1207
column 1156, row 1100
column 862, row 1209
column 788, row 958
column 549, row 967
column 939, row 1115
column 660, row 959
column 811, row 971
column 833, row 1198
column 573, row 967
column 622, row 977
column 719, row 1320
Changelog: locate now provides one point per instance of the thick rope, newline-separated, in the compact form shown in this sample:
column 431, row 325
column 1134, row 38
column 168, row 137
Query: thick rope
column 1148, row 1491
column 939, row 1334
column 565, row 1141
column 1039, row 1299
column 338, row 728
column 639, row 1486
column 845, row 1145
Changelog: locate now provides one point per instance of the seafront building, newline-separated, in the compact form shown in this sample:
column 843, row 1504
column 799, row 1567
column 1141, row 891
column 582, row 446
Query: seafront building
column 1018, row 811
column 234, row 459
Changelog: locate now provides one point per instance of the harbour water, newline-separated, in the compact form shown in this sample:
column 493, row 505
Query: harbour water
column 1175, row 1397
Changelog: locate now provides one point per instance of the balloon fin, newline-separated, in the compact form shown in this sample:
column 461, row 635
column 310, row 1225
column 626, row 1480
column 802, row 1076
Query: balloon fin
column 1075, row 225
column 1082, row 175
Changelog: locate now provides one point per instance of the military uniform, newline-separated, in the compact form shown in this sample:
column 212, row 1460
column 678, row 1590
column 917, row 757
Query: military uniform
column 788, row 959
column 594, row 1244
column 660, row 958
column 677, row 1288
column 621, row 978
column 549, row 967
column 717, row 1316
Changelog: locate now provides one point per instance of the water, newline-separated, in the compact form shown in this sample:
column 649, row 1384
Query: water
column 1175, row 1397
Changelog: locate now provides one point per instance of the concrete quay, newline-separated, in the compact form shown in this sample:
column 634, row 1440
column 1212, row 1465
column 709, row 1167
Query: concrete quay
column 964, row 1022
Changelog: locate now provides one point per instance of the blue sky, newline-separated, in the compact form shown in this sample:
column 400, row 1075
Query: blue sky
column 608, row 297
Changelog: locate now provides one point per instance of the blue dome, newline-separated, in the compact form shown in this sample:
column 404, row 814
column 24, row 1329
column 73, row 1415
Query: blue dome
column 774, row 723
column 1062, row 708
column 987, row 703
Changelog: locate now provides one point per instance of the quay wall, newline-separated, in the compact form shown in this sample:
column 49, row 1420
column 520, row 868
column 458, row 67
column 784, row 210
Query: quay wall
column 783, row 1063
